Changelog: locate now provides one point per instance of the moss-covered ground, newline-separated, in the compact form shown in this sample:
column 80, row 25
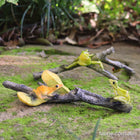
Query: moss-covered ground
column 63, row 121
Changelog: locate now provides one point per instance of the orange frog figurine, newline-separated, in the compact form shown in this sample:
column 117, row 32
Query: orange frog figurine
column 42, row 92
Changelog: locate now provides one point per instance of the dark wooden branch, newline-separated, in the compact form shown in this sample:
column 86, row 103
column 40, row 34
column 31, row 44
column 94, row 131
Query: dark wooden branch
column 103, row 72
column 96, row 99
column 76, row 95
column 17, row 87
column 60, row 69
column 99, row 56
column 103, row 57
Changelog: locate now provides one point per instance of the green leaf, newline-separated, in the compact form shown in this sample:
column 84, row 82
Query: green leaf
column 12, row 1
column 2, row 2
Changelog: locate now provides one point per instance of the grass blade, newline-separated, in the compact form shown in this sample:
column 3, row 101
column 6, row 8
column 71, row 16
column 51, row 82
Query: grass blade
column 67, row 13
column 53, row 21
column 22, row 20
column 95, row 129
column 48, row 18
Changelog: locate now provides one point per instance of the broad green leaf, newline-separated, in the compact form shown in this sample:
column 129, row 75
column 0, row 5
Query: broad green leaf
column 2, row 2
column 13, row 1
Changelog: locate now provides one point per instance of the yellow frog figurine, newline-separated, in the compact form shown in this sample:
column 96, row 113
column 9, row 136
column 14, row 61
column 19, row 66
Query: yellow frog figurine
column 42, row 92
column 121, row 95
column 84, row 60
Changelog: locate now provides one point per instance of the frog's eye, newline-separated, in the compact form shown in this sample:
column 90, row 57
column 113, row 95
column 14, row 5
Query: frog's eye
column 113, row 83
column 57, row 86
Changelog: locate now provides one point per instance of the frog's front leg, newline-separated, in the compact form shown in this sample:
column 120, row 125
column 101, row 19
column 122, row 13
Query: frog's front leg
column 98, row 62
column 115, row 92
column 73, row 64
column 40, row 96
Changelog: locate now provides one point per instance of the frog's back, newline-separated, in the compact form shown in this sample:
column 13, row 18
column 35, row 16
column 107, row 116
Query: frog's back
column 123, row 92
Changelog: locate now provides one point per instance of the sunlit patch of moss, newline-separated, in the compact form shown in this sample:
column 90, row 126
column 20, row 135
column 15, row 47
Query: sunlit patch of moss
column 99, row 85
column 54, row 51
column 33, row 50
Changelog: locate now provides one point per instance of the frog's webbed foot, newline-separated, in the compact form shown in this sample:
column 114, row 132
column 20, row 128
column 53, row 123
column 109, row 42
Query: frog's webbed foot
column 122, row 99
column 98, row 62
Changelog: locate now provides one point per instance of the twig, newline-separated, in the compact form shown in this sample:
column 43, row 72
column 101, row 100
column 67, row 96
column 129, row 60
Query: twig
column 76, row 95
column 17, row 87
column 103, row 57
column 103, row 72
column 60, row 69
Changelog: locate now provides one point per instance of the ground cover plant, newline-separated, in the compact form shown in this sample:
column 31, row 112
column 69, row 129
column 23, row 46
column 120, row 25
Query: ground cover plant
column 60, row 121
column 84, row 23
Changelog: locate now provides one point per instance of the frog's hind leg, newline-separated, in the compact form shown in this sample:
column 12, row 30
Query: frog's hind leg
column 71, row 65
column 98, row 62
column 121, row 99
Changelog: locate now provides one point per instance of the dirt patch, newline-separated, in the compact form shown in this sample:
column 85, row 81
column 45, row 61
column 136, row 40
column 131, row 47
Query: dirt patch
column 19, row 110
column 11, row 65
column 18, row 60
column 80, row 73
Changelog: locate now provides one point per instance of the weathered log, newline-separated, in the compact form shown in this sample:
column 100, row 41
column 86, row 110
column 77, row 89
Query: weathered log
column 99, row 56
column 76, row 95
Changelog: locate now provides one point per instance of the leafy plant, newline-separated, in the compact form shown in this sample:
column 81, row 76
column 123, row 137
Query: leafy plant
column 49, row 14
column 2, row 2
column 57, row 16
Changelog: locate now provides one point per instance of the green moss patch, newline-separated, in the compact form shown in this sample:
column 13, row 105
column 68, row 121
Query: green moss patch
column 33, row 50
column 64, row 121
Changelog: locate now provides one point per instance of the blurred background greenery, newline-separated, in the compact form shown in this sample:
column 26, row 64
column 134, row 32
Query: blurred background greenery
column 42, row 17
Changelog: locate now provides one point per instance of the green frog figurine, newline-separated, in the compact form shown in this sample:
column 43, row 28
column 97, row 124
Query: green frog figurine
column 121, row 95
column 85, row 59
